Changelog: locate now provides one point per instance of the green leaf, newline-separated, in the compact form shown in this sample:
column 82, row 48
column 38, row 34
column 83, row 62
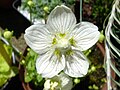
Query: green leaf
column 39, row 78
column 27, row 78
column 3, row 80
column 6, row 69
column 31, row 74
column 14, row 69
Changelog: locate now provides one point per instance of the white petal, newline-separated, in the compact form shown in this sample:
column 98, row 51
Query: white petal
column 48, row 65
column 47, row 85
column 76, row 65
column 61, row 19
column 86, row 35
column 38, row 38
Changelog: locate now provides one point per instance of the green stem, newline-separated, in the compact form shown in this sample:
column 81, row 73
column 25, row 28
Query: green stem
column 4, row 53
column 30, row 14
column 80, row 10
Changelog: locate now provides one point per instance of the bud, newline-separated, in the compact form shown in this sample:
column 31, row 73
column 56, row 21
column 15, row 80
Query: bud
column 22, row 62
column 76, row 80
column 103, row 80
column 93, row 68
column 102, row 37
column 28, row 49
column 46, row 9
column 8, row 34
column 30, row 3
column 20, row 53
column 87, row 52
column 90, row 87
column 95, row 87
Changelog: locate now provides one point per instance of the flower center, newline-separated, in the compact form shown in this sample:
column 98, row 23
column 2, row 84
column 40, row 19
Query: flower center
column 53, row 85
column 63, row 44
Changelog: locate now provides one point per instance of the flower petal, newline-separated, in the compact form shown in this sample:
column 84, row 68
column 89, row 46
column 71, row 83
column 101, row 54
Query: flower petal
column 86, row 35
column 47, row 85
column 76, row 65
column 61, row 19
column 48, row 65
column 38, row 38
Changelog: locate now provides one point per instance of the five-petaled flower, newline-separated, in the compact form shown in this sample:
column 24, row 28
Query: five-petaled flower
column 60, row 43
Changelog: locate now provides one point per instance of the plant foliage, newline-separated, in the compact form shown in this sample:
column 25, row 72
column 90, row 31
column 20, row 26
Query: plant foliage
column 112, row 44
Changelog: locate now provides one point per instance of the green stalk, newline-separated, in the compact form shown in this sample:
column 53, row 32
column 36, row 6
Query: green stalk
column 30, row 14
column 4, row 53
column 80, row 10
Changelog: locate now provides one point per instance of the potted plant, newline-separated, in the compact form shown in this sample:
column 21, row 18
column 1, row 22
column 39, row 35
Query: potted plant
column 29, row 73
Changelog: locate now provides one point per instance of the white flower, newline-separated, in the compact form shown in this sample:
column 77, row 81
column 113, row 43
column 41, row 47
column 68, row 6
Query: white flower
column 59, row 82
column 60, row 43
